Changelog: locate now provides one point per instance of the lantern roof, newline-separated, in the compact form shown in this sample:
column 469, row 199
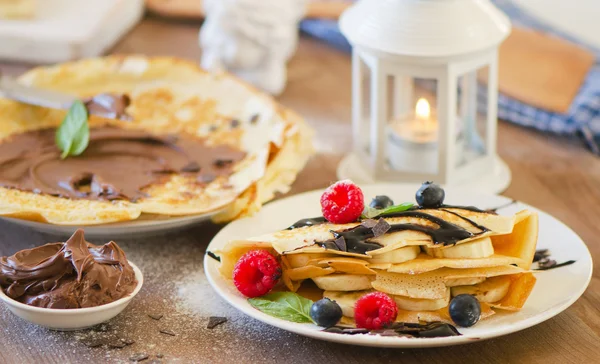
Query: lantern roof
column 425, row 28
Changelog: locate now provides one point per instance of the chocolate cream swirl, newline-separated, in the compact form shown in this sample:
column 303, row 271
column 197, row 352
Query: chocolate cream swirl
column 73, row 274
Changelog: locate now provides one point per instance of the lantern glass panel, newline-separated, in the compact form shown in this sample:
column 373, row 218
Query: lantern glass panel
column 472, row 111
column 412, row 128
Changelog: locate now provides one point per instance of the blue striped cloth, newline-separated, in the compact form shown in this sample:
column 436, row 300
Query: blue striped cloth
column 583, row 116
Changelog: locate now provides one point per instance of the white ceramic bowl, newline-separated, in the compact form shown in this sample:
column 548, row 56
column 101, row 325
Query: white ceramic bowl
column 76, row 318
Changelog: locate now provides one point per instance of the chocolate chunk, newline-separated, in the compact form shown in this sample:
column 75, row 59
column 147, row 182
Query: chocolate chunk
column 254, row 118
column 369, row 223
column 340, row 242
column 191, row 167
column 93, row 343
column 116, row 344
column 213, row 255
column 139, row 357
column 221, row 163
column 381, row 227
column 234, row 123
column 215, row 321
column 155, row 316
column 167, row 332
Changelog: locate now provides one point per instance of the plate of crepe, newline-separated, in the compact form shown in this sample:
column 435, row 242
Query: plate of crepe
column 492, row 260
column 194, row 146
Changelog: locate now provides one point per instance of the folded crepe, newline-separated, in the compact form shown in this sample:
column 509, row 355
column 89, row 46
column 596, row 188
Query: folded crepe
column 421, row 258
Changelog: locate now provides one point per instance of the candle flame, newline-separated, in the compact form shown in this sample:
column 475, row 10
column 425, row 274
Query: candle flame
column 423, row 110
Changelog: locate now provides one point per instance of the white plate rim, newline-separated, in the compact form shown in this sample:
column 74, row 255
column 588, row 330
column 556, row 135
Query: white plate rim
column 217, row 282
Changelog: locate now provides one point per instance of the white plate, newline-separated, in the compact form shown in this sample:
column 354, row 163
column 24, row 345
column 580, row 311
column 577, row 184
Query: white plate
column 554, row 291
column 114, row 231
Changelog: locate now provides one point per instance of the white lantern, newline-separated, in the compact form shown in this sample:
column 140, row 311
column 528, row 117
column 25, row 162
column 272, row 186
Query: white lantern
column 420, row 67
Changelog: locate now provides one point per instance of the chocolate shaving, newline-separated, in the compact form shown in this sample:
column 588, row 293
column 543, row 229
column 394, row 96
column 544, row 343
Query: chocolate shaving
column 340, row 242
column 101, row 328
column 212, row 128
column 93, row 343
column 128, row 341
column 234, row 123
column 254, row 118
column 167, row 332
column 540, row 254
column 160, row 356
column 139, row 357
column 117, row 344
column 213, row 255
column 547, row 263
column 220, row 163
column 381, row 227
column 155, row 316
column 215, row 321
column 206, row 178
column 191, row 167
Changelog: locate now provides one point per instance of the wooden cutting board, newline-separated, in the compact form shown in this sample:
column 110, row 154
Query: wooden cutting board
column 63, row 30
column 192, row 9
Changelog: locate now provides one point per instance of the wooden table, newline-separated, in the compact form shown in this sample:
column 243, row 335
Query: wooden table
column 555, row 174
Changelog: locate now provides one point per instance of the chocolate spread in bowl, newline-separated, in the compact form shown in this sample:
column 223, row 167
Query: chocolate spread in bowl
column 117, row 163
column 74, row 274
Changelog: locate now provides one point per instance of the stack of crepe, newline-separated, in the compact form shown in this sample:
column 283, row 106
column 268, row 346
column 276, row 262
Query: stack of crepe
column 168, row 96
column 493, row 261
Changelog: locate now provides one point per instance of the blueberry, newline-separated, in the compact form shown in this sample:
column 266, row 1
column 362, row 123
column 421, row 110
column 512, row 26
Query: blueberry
column 381, row 202
column 430, row 195
column 325, row 312
column 465, row 310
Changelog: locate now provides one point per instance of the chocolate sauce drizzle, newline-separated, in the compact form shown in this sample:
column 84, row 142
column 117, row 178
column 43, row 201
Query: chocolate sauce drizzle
column 356, row 238
column 542, row 257
column 401, row 329
column 307, row 222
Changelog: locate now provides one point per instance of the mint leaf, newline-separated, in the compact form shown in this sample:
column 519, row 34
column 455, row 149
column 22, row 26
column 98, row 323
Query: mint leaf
column 73, row 134
column 369, row 212
column 287, row 306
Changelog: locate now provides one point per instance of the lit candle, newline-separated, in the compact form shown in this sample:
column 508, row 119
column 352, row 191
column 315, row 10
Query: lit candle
column 413, row 141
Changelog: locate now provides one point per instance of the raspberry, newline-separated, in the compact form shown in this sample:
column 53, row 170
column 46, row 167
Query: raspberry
column 256, row 273
column 375, row 311
column 342, row 202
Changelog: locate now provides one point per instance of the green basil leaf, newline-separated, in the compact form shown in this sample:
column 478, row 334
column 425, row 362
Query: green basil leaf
column 73, row 134
column 369, row 212
column 287, row 306
column 397, row 208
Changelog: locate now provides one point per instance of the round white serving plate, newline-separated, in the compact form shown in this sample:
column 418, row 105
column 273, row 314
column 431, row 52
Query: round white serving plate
column 143, row 226
column 555, row 290
column 76, row 318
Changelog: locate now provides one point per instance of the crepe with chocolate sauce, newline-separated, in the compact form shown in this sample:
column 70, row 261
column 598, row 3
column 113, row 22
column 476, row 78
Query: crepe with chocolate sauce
column 421, row 258
column 195, row 143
